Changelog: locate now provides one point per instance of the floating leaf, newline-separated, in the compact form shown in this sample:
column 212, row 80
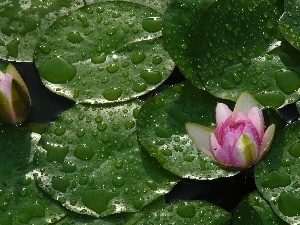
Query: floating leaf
column 23, row 22
column 277, row 176
column 90, row 161
column 104, row 53
column 290, row 22
column 161, row 129
column 185, row 212
column 234, row 46
column 158, row 5
column 21, row 200
column 255, row 210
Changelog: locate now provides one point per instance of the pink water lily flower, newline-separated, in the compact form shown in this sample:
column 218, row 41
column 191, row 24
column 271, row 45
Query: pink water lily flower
column 14, row 97
column 240, row 139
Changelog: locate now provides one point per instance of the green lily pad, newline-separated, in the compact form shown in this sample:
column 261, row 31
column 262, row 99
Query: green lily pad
column 16, row 148
column 186, row 212
column 255, row 210
column 178, row 27
column 290, row 22
column 158, row 5
column 90, row 161
column 232, row 47
column 161, row 129
column 23, row 22
column 21, row 200
column 277, row 176
column 106, row 52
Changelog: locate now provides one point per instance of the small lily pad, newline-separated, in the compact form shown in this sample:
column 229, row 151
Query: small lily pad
column 23, row 22
column 106, row 52
column 255, row 210
column 277, row 176
column 290, row 22
column 227, row 52
column 91, row 162
column 185, row 212
column 161, row 129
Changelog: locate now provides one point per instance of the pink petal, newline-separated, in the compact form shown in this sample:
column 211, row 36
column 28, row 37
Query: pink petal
column 200, row 136
column 266, row 141
column 245, row 103
column 239, row 116
column 256, row 117
column 222, row 113
column 245, row 152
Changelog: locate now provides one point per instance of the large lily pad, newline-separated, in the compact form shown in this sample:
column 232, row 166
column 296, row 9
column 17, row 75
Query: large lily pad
column 23, row 22
column 255, row 210
column 277, row 176
column 106, row 52
column 21, row 200
column 234, row 46
column 186, row 212
column 161, row 129
column 90, row 161
column 158, row 5
column 290, row 22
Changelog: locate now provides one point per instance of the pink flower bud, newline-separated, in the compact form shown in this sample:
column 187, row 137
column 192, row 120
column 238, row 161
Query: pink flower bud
column 14, row 97
column 240, row 139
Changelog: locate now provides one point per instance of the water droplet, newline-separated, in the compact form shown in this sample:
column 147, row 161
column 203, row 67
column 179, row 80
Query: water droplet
column 97, row 200
column 294, row 150
column 112, row 68
column 166, row 152
column 152, row 24
column 118, row 181
column 138, row 58
column 138, row 203
column 287, row 162
column 57, row 70
column 68, row 168
column 83, row 20
column 236, row 78
column 152, row 185
column 270, row 99
column 13, row 48
column 23, row 192
column 99, row 59
column 112, row 94
column 111, row 31
column 118, row 164
column 139, row 87
column 189, row 158
column 105, row 138
column 60, row 184
column 227, row 84
column 287, row 80
column 288, row 204
column 59, row 131
column 80, row 133
column 186, row 210
column 177, row 148
column 74, row 37
column 102, row 126
column 83, row 152
column 129, row 124
column 156, row 60
column 30, row 211
column 162, row 132
column 151, row 77
column 275, row 179
column 55, row 152
column 115, row 127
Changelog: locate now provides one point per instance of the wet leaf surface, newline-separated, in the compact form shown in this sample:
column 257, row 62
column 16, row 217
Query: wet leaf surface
column 107, row 52
column 90, row 161
column 277, row 176
column 255, row 210
column 232, row 47
column 290, row 22
column 161, row 129
column 23, row 22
